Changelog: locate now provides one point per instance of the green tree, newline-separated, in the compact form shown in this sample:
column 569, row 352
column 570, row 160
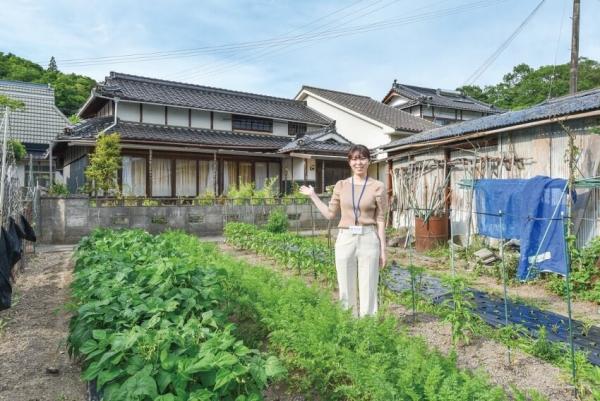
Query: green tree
column 17, row 149
column 11, row 103
column 104, row 163
column 525, row 86
column 52, row 67
column 71, row 90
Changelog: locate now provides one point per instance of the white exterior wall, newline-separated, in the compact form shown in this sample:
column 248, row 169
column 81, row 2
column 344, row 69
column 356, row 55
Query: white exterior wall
column 397, row 101
column 280, row 128
column 298, row 169
column 222, row 121
column 177, row 116
column 200, row 119
column 469, row 115
column 354, row 128
column 444, row 113
column 153, row 114
column 129, row 111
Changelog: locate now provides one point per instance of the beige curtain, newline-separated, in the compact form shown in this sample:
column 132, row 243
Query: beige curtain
column 207, row 176
column 185, row 177
column 229, row 175
column 161, row 177
column 245, row 172
column 260, row 174
column 134, row 176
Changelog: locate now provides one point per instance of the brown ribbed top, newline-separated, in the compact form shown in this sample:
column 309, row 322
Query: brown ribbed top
column 372, row 204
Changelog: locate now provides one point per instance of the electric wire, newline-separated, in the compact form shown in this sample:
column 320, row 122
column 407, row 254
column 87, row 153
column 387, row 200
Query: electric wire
column 490, row 60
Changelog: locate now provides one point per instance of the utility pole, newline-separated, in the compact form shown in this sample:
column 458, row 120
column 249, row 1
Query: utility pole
column 574, row 48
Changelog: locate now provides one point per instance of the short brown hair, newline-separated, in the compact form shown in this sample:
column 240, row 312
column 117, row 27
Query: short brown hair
column 362, row 151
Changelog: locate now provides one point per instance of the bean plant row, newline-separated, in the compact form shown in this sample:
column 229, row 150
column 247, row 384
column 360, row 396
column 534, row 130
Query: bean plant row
column 148, row 323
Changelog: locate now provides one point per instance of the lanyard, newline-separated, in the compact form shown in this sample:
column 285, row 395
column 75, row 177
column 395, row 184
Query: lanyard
column 356, row 208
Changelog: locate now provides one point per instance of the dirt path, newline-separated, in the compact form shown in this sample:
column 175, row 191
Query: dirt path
column 525, row 372
column 34, row 335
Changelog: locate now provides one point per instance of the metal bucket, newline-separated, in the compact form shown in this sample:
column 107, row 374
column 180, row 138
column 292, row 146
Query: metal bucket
column 431, row 234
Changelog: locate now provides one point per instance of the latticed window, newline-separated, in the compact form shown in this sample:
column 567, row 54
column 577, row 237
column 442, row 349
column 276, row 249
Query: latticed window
column 246, row 123
column 296, row 129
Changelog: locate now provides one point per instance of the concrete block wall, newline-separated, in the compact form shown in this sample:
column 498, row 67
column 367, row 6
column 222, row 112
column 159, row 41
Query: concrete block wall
column 67, row 220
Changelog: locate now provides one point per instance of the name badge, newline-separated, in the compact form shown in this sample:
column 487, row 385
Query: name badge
column 356, row 230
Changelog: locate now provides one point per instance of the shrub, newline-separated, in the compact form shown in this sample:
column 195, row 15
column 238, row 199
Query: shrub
column 58, row 189
column 278, row 221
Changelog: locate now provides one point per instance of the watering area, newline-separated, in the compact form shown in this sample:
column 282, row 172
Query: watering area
column 491, row 309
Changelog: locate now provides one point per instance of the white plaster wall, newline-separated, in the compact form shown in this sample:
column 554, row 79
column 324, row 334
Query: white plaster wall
column 129, row 111
column 222, row 121
column 177, row 116
column 200, row 119
column 397, row 101
column 469, row 115
column 352, row 127
column 153, row 114
column 427, row 112
column 298, row 167
column 444, row 112
column 312, row 127
column 280, row 128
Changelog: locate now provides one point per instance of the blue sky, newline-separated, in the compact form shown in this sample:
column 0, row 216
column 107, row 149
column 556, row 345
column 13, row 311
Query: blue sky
column 437, row 51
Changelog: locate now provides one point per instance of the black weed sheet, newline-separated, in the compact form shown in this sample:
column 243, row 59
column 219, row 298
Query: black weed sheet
column 491, row 309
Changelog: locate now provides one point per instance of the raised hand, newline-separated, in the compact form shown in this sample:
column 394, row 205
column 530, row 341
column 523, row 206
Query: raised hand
column 307, row 190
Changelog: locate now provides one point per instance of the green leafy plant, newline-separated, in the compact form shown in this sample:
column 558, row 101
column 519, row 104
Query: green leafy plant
column 58, row 189
column 150, row 202
column 146, row 323
column 206, row 199
column 17, row 149
column 460, row 314
column 278, row 221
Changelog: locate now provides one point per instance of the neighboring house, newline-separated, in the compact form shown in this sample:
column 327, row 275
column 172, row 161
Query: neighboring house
column 515, row 144
column 37, row 124
column 182, row 140
column 325, row 152
column 364, row 120
column 440, row 106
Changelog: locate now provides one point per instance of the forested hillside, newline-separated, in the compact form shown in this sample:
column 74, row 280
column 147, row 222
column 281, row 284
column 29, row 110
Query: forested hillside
column 71, row 90
column 525, row 86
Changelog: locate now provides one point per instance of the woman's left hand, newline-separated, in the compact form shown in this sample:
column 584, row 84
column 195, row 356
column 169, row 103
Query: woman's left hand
column 382, row 259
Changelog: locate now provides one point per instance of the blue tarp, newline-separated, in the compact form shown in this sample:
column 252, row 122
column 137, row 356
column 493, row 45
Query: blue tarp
column 531, row 212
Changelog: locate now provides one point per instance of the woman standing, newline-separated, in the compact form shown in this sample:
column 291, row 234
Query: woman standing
column 360, row 245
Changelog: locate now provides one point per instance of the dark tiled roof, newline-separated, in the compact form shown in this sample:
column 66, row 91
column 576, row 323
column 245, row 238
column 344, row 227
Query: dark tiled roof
column 39, row 121
column 395, row 118
column 581, row 102
column 438, row 97
column 141, row 89
column 312, row 142
column 131, row 131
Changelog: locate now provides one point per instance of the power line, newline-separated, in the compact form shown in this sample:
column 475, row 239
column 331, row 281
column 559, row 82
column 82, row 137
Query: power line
column 562, row 19
column 384, row 24
column 490, row 60
column 190, row 52
column 274, row 48
column 188, row 70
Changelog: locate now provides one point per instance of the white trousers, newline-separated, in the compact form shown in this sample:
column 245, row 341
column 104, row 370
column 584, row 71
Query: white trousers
column 357, row 266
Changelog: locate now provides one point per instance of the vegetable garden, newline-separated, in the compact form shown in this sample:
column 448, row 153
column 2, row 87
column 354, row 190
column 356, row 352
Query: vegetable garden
column 170, row 318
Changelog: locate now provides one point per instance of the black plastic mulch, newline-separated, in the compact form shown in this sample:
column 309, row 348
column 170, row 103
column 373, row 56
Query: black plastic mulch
column 491, row 309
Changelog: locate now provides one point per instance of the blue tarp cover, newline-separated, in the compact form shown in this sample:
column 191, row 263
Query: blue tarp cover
column 531, row 212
